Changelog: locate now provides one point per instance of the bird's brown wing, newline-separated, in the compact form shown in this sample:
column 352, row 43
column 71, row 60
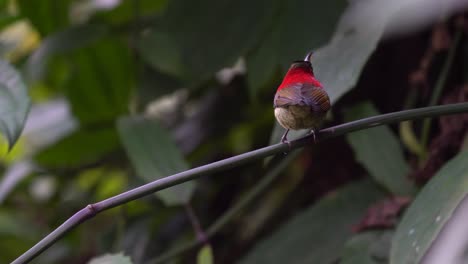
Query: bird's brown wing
column 303, row 94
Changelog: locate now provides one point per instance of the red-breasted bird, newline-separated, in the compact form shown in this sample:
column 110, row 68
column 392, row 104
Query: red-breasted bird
column 300, row 101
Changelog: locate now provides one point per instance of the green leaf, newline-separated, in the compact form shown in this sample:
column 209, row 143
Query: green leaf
column 430, row 211
column 371, row 247
column 46, row 16
column 235, row 26
column 161, row 52
column 59, row 43
column 205, row 255
column 102, row 81
column 317, row 234
column 299, row 27
column 380, row 152
column 338, row 64
column 111, row 259
column 154, row 155
column 14, row 103
column 126, row 10
column 82, row 147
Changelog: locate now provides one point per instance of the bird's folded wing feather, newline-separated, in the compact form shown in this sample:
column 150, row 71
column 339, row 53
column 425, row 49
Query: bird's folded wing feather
column 303, row 94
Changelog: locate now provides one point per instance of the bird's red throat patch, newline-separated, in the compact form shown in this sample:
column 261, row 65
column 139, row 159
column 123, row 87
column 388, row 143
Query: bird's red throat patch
column 299, row 75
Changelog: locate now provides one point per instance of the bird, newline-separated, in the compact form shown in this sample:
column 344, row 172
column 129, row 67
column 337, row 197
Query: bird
column 300, row 101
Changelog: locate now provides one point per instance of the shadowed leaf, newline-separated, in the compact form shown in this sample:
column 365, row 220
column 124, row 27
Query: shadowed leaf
column 59, row 43
column 154, row 155
column 317, row 234
column 379, row 151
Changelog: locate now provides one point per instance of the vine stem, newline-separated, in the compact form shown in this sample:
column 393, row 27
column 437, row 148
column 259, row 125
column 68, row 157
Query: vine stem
column 441, row 80
column 91, row 210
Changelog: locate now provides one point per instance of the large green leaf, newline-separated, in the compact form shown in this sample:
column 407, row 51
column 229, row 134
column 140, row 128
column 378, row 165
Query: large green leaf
column 379, row 151
column 46, row 16
column 102, row 81
column 213, row 34
column 298, row 27
column 430, row 211
column 14, row 102
column 154, row 155
column 372, row 247
column 60, row 43
column 82, row 147
column 111, row 259
column 317, row 234
column 161, row 52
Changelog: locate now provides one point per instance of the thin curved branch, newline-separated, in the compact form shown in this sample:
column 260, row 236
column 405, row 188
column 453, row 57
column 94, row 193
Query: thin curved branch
column 133, row 194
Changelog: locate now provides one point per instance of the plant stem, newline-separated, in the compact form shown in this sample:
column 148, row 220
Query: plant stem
column 439, row 87
column 160, row 184
column 201, row 236
column 276, row 165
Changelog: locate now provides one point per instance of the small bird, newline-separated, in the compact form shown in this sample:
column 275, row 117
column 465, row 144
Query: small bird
column 300, row 101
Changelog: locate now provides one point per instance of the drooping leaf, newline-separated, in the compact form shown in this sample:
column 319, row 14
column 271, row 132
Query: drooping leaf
column 102, row 81
column 111, row 259
column 80, row 148
column 161, row 52
column 430, row 211
column 14, row 102
column 152, row 84
column 234, row 28
column 60, row 43
column 372, row 247
column 46, row 16
column 154, row 155
column 379, row 151
column 317, row 234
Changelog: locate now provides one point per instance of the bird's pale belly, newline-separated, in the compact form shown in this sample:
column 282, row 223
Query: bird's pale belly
column 298, row 117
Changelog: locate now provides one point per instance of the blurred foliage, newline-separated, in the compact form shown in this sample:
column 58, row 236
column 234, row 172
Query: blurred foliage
column 110, row 94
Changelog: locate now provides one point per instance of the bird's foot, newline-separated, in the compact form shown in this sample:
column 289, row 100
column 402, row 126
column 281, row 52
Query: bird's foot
column 284, row 140
column 312, row 131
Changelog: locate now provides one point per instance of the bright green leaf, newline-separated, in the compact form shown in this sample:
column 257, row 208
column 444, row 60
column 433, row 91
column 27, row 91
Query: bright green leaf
column 80, row 148
column 205, row 255
column 430, row 211
column 380, row 152
column 154, row 155
column 317, row 234
column 14, row 102
column 111, row 259
column 59, row 43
